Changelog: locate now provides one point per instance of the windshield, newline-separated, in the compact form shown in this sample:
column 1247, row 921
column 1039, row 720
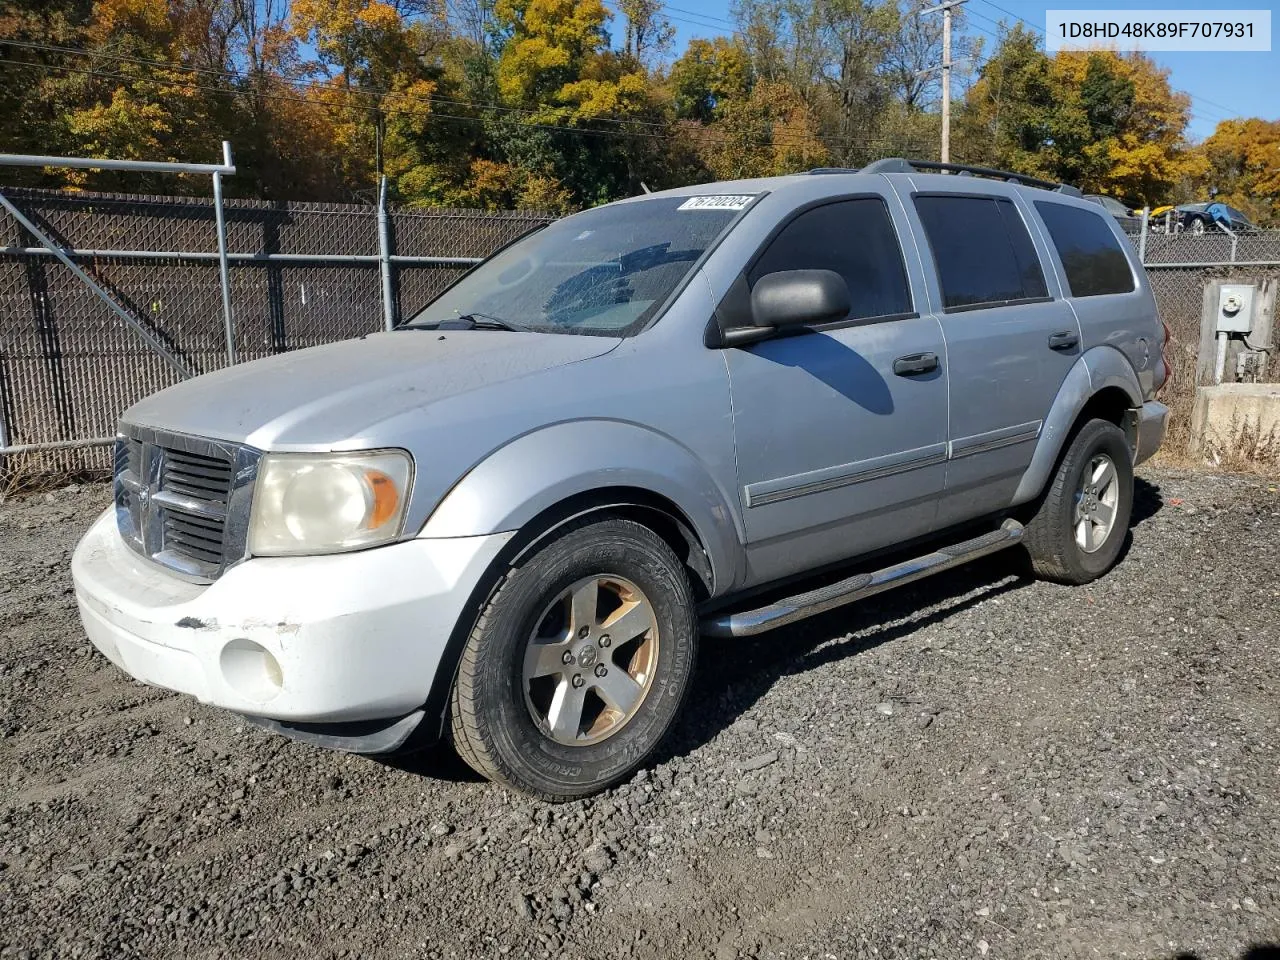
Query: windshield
column 603, row 272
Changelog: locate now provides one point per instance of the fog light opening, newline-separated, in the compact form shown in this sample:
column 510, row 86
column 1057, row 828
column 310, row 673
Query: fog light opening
column 250, row 670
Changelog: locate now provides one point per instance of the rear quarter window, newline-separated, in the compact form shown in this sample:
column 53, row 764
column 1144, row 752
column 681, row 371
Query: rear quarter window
column 1091, row 254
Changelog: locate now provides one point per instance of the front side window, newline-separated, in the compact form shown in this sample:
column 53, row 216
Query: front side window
column 854, row 238
column 1091, row 255
column 983, row 252
column 603, row 272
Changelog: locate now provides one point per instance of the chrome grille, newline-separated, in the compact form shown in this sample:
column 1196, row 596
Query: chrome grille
column 194, row 475
column 182, row 501
column 198, row 538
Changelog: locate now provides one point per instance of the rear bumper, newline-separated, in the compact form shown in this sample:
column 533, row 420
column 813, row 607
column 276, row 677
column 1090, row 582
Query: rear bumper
column 1153, row 417
column 304, row 640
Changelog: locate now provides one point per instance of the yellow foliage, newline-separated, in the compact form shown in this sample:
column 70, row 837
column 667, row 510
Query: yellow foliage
column 1241, row 160
column 1106, row 122
column 147, row 17
column 553, row 43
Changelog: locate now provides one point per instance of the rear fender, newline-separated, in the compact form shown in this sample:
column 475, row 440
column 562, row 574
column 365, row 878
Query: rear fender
column 1095, row 370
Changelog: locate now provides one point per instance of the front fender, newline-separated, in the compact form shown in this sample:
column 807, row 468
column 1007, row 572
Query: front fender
column 541, row 469
column 1095, row 370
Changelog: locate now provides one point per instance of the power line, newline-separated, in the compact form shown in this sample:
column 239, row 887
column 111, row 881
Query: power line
column 1231, row 112
column 319, row 101
column 704, row 16
column 1012, row 14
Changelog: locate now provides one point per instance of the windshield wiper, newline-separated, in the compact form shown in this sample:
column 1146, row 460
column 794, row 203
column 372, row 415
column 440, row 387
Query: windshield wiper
column 470, row 321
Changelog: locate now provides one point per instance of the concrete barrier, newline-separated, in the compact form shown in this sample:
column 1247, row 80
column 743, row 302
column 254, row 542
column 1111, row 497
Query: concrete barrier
column 1237, row 421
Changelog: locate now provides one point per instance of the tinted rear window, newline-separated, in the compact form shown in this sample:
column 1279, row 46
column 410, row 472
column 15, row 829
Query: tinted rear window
column 982, row 250
column 1091, row 254
column 856, row 239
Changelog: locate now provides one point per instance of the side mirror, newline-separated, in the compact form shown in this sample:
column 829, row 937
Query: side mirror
column 792, row 298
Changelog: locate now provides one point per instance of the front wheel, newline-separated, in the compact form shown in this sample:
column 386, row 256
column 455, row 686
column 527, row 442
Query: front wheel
column 1081, row 521
column 578, row 662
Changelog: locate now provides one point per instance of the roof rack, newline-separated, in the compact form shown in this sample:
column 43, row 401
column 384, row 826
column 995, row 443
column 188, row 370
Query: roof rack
column 899, row 165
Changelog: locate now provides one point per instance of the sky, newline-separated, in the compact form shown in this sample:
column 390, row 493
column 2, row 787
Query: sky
column 1222, row 85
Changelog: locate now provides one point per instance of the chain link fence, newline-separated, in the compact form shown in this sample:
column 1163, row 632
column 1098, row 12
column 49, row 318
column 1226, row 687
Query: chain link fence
column 1179, row 266
column 309, row 273
column 300, row 274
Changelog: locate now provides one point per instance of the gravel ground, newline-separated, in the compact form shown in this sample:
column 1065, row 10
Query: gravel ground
column 976, row 766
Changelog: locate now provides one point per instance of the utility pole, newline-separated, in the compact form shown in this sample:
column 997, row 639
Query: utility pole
column 946, row 8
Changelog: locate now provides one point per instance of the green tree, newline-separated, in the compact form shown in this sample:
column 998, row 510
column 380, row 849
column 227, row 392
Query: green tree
column 709, row 75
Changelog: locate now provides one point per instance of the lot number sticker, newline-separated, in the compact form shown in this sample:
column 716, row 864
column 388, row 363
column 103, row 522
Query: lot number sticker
column 715, row 203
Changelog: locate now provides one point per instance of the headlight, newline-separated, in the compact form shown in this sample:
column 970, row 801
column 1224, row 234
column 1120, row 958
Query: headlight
column 308, row 503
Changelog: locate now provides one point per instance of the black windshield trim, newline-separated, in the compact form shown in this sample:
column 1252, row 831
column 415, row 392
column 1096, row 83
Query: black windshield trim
column 470, row 270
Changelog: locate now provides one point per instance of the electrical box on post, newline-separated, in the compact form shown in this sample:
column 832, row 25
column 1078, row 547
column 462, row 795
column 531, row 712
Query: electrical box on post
column 1235, row 308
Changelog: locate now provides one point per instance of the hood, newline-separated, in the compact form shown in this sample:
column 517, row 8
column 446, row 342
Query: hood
column 323, row 396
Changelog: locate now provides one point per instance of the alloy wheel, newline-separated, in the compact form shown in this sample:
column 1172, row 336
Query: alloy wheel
column 591, row 659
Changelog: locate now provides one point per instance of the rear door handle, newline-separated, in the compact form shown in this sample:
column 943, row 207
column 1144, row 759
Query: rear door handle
column 1063, row 340
column 915, row 363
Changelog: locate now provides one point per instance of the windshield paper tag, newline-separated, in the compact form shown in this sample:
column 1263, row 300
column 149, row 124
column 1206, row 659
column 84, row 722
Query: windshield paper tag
column 715, row 203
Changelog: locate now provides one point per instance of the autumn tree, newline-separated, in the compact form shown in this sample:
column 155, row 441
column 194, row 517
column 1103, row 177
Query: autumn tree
column 33, row 95
column 1242, row 164
column 585, row 116
column 1106, row 122
column 133, row 96
column 649, row 34
column 560, row 104
column 708, row 76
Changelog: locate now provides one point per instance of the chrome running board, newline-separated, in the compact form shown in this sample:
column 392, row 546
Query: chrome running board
column 747, row 623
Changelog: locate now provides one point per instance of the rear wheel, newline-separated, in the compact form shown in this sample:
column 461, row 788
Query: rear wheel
column 1081, row 521
column 578, row 663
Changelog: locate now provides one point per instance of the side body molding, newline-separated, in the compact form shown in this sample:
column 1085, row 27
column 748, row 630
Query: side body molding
column 543, row 468
column 1096, row 369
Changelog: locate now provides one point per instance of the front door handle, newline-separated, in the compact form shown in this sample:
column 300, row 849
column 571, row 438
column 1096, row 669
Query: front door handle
column 915, row 363
column 1064, row 340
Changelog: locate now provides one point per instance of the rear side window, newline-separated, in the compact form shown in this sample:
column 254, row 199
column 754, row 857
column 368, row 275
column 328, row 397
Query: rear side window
column 982, row 250
column 856, row 239
column 1091, row 255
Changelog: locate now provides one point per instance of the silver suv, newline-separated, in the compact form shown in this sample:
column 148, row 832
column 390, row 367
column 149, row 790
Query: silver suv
column 509, row 521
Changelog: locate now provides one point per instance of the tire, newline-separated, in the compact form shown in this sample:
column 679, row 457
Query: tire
column 516, row 715
column 1066, row 538
column 1198, row 226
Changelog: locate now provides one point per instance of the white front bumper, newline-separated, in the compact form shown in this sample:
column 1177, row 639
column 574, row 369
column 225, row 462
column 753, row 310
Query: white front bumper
column 354, row 636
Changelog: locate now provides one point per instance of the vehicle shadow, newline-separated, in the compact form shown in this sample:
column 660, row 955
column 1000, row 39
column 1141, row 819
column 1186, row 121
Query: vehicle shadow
column 733, row 674
column 1147, row 501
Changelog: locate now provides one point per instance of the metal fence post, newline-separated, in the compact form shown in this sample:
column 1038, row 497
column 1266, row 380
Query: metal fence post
column 1142, row 240
column 384, row 257
column 224, row 275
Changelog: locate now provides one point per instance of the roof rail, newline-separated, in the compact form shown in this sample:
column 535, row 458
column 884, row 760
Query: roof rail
column 899, row 165
column 835, row 170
